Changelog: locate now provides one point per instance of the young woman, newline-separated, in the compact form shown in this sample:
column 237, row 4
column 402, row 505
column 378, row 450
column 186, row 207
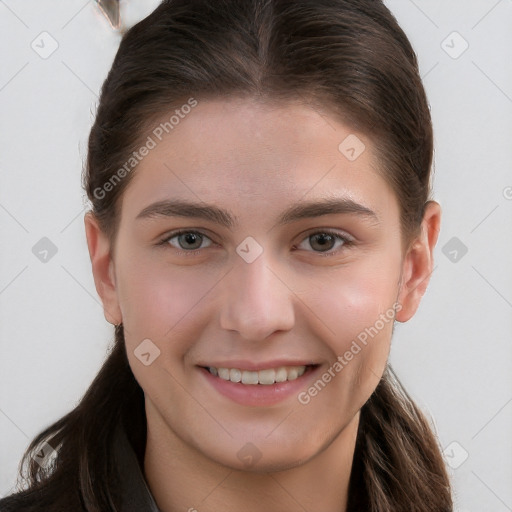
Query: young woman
column 259, row 174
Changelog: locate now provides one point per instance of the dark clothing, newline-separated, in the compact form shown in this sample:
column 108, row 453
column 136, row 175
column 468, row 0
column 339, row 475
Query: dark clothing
column 133, row 490
column 136, row 494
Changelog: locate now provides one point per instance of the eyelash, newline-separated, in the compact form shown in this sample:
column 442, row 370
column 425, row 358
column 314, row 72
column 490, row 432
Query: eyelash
column 347, row 242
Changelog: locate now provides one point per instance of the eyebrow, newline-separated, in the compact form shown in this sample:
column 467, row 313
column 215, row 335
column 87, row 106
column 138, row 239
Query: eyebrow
column 302, row 210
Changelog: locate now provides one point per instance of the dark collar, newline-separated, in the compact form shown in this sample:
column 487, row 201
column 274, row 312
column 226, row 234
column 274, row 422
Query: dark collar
column 136, row 494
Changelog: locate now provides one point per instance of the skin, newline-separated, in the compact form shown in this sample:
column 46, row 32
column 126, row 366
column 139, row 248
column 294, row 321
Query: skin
column 255, row 160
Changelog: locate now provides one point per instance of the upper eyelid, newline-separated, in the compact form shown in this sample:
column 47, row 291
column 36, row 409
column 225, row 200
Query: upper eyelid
column 179, row 232
column 334, row 231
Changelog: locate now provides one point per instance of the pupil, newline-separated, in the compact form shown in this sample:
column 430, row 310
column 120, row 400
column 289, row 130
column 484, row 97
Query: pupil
column 322, row 239
column 190, row 238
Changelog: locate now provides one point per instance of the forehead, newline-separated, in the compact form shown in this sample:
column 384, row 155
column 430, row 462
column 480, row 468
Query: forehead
column 255, row 158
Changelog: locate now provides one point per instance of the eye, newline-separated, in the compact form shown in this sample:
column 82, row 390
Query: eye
column 323, row 241
column 187, row 241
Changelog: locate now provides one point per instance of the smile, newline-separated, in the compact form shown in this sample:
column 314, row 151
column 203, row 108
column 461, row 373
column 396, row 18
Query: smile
column 259, row 385
column 266, row 377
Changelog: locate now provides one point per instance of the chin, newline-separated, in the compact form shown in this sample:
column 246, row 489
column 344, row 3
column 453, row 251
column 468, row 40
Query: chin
column 262, row 455
column 264, row 465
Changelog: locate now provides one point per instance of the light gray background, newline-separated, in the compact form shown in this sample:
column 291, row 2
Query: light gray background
column 454, row 356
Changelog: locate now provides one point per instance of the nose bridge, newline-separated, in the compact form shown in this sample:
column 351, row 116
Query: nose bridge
column 256, row 301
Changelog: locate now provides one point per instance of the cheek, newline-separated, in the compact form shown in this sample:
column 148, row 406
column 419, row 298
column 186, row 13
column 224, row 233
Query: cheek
column 354, row 299
column 358, row 307
column 157, row 301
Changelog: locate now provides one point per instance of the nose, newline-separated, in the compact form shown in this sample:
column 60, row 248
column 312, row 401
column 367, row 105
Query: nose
column 257, row 299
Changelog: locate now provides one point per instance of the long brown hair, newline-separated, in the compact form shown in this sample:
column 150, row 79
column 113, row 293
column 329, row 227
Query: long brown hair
column 349, row 56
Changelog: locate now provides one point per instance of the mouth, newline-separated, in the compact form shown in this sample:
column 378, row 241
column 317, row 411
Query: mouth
column 265, row 377
column 259, row 387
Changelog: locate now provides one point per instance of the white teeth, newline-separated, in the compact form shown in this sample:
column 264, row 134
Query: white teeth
column 235, row 375
column 266, row 377
column 293, row 374
column 281, row 374
column 223, row 373
column 249, row 377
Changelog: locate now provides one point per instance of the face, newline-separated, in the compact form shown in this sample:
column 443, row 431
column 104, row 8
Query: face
column 257, row 283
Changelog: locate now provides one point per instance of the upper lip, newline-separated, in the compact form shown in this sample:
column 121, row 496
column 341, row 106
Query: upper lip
column 262, row 365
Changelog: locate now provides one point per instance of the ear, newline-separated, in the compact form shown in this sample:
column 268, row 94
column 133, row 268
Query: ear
column 102, row 268
column 418, row 263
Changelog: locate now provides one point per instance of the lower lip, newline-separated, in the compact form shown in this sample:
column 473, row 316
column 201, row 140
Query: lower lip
column 259, row 395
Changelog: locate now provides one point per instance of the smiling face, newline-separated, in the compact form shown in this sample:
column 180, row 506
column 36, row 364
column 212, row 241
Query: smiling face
column 290, row 253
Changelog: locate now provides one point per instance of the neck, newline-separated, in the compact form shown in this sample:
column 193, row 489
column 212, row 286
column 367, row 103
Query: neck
column 183, row 479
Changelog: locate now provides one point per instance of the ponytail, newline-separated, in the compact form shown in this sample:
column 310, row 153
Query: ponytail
column 398, row 466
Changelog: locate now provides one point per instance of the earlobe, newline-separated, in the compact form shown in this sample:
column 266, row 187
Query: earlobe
column 102, row 268
column 418, row 263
